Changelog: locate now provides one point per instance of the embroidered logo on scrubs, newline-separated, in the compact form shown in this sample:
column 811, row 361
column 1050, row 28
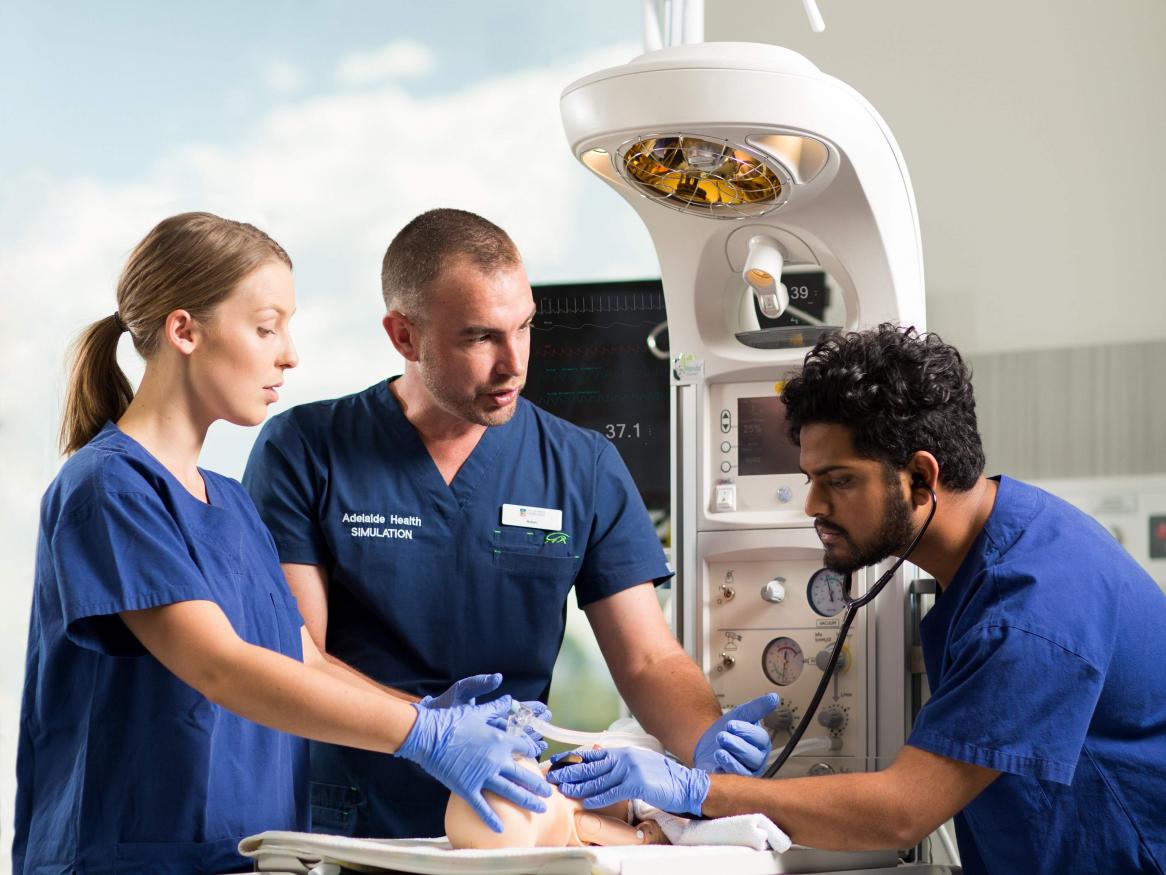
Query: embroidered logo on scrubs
column 556, row 538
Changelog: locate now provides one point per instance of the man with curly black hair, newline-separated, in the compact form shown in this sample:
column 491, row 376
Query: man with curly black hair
column 1045, row 732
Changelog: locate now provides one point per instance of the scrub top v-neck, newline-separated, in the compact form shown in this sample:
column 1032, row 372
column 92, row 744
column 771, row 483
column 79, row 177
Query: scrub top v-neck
column 429, row 582
column 121, row 766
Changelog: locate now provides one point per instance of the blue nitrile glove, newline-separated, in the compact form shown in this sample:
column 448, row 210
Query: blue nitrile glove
column 616, row 773
column 460, row 748
column 464, row 692
column 735, row 744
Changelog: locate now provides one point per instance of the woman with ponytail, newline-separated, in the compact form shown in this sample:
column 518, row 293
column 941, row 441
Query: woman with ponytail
column 168, row 671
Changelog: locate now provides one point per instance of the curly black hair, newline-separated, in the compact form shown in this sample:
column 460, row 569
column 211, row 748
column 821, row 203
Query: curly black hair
column 899, row 392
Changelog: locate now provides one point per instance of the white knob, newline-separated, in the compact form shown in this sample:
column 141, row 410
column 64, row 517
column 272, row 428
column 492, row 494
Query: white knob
column 774, row 591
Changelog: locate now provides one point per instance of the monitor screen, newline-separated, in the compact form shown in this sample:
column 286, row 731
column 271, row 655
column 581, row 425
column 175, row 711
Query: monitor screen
column 764, row 446
column 591, row 365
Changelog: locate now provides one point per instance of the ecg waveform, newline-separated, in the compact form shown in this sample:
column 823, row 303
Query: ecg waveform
column 572, row 305
column 592, row 351
column 588, row 396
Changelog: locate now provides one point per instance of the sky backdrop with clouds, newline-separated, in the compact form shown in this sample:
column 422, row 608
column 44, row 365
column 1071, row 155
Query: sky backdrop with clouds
column 327, row 124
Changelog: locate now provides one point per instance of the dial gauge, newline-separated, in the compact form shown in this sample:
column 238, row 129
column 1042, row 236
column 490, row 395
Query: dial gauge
column 783, row 661
column 824, row 592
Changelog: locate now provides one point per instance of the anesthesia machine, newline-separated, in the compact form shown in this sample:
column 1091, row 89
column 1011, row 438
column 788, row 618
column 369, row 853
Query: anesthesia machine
column 780, row 208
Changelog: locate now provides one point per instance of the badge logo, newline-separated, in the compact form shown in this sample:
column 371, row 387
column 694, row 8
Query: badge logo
column 556, row 538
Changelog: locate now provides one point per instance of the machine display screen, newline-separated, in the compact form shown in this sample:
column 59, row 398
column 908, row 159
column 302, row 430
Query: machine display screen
column 764, row 446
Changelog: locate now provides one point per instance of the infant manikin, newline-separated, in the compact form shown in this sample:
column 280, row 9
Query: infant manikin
column 565, row 823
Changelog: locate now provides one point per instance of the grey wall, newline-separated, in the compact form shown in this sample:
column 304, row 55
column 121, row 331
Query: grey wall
column 1033, row 132
column 1074, row 412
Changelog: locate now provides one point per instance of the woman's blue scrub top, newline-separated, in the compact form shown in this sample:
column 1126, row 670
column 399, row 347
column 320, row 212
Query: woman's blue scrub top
column 1046, row 656
column 121, row 766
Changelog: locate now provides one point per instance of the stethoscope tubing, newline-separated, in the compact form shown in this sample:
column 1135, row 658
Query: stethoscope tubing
column 852, row 606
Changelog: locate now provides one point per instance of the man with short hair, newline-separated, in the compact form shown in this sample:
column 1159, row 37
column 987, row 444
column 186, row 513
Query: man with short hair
column 1045, row 732
column 432, row 526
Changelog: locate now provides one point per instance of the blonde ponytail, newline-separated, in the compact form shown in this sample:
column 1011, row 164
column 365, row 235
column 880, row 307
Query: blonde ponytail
column 97, row 391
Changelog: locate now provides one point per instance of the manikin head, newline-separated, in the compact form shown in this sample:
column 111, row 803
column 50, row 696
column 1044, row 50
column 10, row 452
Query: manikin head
column 459, row 308
column 881, row 417
column 564, row 824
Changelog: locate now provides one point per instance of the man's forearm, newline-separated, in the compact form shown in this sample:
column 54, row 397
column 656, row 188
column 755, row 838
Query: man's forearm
column 834, row 812
column 672, row 700
column 894, row 808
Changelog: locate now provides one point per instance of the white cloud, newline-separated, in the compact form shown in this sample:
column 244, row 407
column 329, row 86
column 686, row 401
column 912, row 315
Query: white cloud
column 283, row 77
column 400, row 59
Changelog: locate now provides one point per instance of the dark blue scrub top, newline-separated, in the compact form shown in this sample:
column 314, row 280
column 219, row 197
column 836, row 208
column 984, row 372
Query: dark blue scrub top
column 1045, row 657
column 425, row 584
column 121, row 766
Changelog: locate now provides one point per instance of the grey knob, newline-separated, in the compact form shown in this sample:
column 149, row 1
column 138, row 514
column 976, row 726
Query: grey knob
column 818, row 769
column 831, row 718
column 822, row 659
column 781, row 720
column 728, row 660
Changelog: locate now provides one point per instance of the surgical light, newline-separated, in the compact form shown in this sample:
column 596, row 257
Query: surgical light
column 702, row 174
column 760, row 141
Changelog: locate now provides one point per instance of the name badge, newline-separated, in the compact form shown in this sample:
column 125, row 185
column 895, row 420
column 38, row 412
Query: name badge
column 532, row 517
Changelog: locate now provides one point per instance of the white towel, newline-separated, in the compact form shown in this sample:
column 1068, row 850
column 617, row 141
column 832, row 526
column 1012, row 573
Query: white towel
column 754, row 831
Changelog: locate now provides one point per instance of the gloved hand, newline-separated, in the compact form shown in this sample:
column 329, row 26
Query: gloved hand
column 735, row 744
column 612, row 774
column 464, row 692
column 461, row 748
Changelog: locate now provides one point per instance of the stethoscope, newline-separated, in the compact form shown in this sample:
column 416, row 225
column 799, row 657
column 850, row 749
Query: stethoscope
column 852, row 606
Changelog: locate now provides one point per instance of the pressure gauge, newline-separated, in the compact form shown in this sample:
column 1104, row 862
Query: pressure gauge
column 824, row 592
column 782, row 661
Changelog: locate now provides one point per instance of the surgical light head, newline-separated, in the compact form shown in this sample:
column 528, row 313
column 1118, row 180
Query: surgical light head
column 702, row 175
column 746, row 162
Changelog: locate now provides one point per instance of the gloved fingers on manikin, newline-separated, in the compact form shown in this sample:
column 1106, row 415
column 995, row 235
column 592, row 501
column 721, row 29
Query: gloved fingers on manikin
column 613, row 774
column 537, row 709
column 461, row 748
column 736, row 744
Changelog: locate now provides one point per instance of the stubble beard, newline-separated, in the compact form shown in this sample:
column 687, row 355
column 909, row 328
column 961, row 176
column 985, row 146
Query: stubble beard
column 893, row 535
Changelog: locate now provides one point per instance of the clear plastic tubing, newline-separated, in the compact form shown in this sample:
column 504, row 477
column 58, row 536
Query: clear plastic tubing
column 590, row 739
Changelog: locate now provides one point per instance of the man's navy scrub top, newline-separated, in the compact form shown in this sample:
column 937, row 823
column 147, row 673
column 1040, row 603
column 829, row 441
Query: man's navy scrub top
column 121, row 766
column 426, row 583
column 1046, row 656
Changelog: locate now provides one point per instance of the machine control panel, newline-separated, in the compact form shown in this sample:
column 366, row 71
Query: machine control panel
column 771, row 625
column 751, row 457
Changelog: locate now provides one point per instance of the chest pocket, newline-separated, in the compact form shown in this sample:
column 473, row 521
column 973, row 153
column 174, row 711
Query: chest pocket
column 534, row 553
